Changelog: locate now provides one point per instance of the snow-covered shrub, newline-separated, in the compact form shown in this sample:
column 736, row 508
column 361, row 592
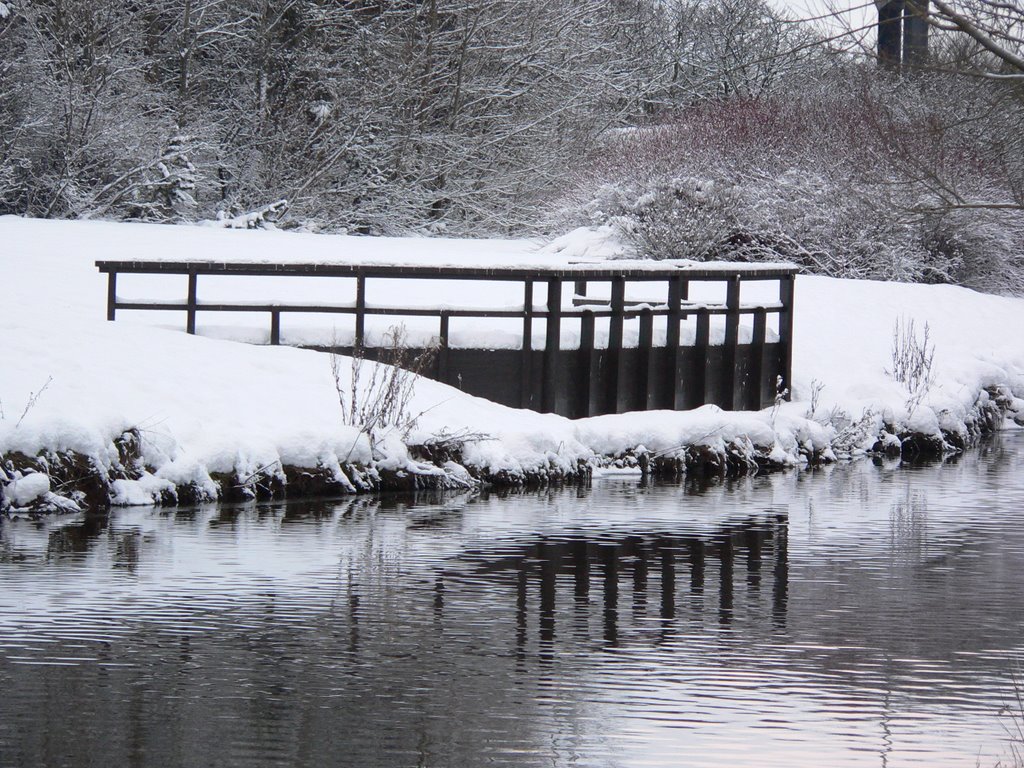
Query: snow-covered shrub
column 982, row 249
column 168, row 186
column 667, row 217
column 875, row 181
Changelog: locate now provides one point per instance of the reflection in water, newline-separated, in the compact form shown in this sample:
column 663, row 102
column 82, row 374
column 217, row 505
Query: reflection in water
column 549, row 560
column 858, row 615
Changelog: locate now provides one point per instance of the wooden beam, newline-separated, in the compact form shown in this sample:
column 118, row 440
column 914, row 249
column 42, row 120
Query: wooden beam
column 191, row 304
column 699, row 375
column 111, row 295
column 525, row 371
column 614, row 353
column 585, row 405
column 645, row 344
column 676, row 288
column 360, row 331
column 275, row 327
column 754, row 386
column 787, row 291
column 729, row 397
column 552, row 346
column 442, row 351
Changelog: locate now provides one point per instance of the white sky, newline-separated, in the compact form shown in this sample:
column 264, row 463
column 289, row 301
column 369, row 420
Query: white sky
column 846, row 15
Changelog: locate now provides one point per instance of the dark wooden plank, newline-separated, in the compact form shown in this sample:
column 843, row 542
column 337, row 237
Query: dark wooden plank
column 343, row 309
column 787, row 291
column 526, row 374
column 614, row 353
column 111, row 295
column 552, row 344
column 676, row 288
column 442, row 350
column 645, row 382
column 156, row 305
column 360, row 331
column 275, row 327
column 607, row 271
column 754, row 385
column 730, row 394
column 585, row 405
column 698, row 375
column 190, row 304
column 489, row 373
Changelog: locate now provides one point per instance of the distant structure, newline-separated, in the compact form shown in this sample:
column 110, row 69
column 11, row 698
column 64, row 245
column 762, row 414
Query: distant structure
column 902, row 33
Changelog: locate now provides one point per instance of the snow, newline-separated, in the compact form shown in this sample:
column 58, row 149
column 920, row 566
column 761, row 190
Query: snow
column 22, row 491
column 211, row 405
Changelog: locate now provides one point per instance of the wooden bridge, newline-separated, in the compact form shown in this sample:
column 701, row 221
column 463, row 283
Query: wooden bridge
column 616, row 335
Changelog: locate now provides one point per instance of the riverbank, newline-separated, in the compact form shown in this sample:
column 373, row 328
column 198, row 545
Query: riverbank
column 96, row 413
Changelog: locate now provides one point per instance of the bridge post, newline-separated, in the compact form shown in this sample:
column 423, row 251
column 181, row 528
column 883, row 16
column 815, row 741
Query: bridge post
column 111, row 294
column 442, row 351
column 585, row 367
column 275, row 327
column 676, row 289
column 552, row 345
column 360, row 331
column 645, row 382
column 614, row 351
column 729, row 396
column 698, row 378
column 754, row 384
column 191, row 303
column 525, row 367
column 787, row 287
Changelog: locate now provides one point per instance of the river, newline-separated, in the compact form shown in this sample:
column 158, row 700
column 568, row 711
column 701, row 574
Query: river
column 857, row 615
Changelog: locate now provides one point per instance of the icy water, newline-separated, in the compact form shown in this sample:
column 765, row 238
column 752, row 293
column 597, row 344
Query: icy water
column 859, row 615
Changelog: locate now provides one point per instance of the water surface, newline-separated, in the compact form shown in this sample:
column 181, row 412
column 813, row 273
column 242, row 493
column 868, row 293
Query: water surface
column 859, row 615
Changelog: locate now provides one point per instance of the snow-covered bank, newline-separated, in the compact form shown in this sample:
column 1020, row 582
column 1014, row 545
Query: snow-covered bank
column 152, row 413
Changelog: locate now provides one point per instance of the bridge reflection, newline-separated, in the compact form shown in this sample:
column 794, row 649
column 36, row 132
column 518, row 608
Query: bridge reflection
column 578, row 572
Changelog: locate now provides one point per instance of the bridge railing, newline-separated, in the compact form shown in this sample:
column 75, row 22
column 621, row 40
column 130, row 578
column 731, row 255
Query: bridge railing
column 589, row 379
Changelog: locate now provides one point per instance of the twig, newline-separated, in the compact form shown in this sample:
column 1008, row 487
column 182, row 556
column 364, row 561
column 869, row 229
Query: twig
column 33, row 397
column 245, row 481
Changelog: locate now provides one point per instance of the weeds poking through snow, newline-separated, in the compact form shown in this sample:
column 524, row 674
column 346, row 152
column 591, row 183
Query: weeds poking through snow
column 852, row 435
column 379, row 392
column 781, row 396
column 33, row 398
column 912, row 360
column 812, row 409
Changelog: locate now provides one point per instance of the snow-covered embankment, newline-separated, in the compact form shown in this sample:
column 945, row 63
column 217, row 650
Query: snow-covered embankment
column 129, row 413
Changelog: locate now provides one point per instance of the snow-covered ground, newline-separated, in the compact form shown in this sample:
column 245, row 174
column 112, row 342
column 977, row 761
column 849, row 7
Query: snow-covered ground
column 69, row 380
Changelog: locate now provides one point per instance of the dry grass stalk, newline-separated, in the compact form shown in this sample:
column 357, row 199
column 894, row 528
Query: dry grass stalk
column 379, row 393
